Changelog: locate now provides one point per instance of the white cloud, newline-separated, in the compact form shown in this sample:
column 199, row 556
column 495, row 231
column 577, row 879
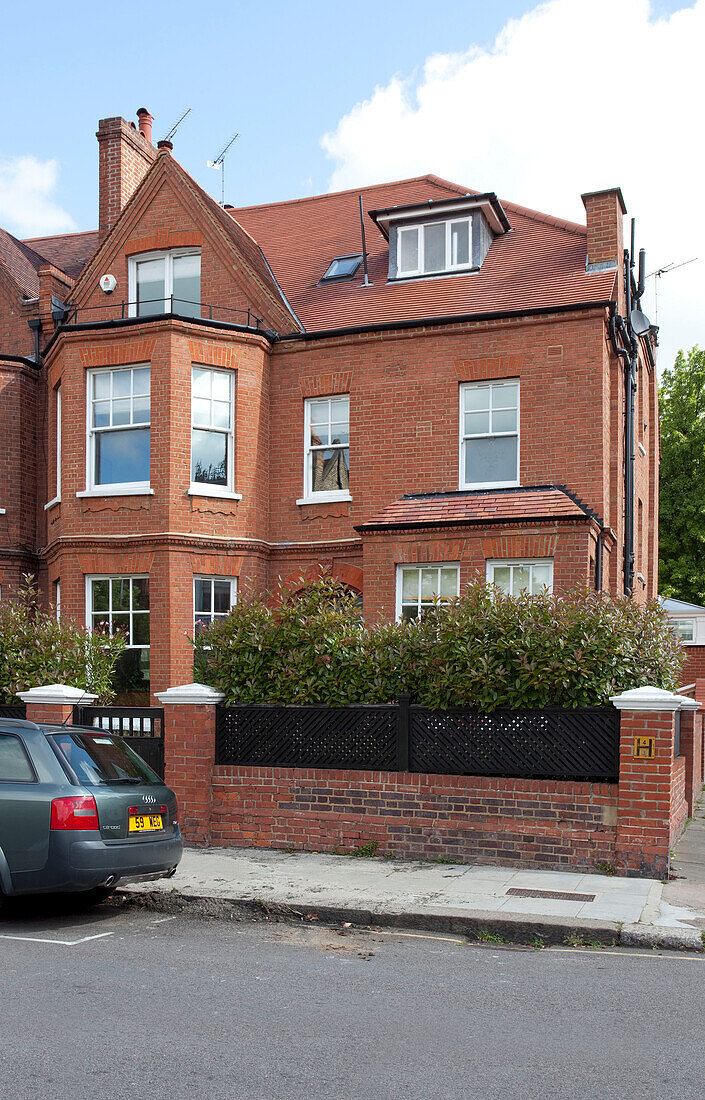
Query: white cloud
column 574, row 96
column 27, row 208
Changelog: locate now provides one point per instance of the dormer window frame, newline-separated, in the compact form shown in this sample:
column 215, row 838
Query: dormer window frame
column 168, row 255
column 419, row 228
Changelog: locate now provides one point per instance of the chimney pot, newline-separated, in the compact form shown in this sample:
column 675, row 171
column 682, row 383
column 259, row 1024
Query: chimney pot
column 145, row 123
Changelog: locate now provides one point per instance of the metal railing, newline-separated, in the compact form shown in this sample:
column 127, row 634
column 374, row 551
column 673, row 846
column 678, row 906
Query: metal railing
column 581, row 744
column 172, row 306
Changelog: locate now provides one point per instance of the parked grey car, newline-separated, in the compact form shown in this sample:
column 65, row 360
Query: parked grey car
column 80, row 811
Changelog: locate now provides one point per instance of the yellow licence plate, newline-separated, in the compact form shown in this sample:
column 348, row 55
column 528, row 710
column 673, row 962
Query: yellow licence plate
column 146, row 823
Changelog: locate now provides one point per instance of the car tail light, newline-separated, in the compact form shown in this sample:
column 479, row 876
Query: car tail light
column 144, row 810
column 77, row 812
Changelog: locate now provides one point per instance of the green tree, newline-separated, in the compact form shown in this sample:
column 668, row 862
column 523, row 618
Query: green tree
column 38, row 649
column 682, row 490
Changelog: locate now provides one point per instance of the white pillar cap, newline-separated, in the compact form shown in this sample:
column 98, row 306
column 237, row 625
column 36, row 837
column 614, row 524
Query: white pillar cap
column 193, row 694
column 688, row 704
column 55, row 694
column 649, row 698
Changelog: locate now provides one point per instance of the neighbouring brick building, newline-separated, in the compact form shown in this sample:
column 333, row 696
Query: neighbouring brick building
column 198, row 400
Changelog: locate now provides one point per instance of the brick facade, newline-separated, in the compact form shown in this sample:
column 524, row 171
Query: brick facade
column 403, row 383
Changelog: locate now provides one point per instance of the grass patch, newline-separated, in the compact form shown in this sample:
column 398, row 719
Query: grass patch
column 365, row 851
column 486, row 935
column 605, row 868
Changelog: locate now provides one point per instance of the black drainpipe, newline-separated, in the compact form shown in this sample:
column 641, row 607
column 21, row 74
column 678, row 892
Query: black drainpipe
column 629, row 355
column 598, row 561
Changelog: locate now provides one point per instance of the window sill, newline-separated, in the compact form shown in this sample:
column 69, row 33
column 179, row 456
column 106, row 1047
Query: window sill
column 56, row 500
column 432, row 274
column 118, row 491
column 489, row 485
column 324, row 498
column 195, row 490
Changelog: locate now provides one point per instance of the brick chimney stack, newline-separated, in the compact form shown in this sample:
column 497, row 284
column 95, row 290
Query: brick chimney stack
column 605, row 240
column 124, row 157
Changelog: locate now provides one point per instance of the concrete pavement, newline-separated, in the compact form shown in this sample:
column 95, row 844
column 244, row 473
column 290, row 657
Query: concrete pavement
column 520, row 905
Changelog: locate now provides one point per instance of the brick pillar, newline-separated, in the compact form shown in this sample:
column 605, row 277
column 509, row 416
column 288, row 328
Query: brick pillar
column 651, row 804
column 54, row 703
column 189, row 753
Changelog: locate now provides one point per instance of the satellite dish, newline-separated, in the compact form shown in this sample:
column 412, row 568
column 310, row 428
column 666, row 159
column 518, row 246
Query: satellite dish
column 639, row 322
column 108, row 283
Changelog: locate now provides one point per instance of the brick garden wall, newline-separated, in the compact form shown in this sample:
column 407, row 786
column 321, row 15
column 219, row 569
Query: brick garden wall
column 469, row 818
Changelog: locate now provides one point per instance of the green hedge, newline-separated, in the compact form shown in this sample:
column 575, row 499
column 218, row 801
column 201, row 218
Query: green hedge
column 483, row 650
column 36, row 649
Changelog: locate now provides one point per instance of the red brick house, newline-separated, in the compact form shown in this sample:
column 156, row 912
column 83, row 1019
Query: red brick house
column 196, row 401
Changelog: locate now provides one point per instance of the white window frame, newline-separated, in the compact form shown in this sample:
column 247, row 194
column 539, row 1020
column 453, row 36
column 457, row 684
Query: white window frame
column 680, row 622
column 524, row 563
column 168, row 255
column 125, row 488
column 418, row 566
column 232, row 581
column 116, row 577
column 469, row 486
column 203, row 488
column 418, row 228
column 56, row 499
column 322, row 496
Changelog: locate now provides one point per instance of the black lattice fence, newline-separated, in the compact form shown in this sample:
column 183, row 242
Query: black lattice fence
column 531, row 744
column 141, row 727
column 20, row 711
column 308, row 737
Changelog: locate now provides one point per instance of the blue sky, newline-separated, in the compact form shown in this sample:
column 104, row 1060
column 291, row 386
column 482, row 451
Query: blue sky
column 399, row 88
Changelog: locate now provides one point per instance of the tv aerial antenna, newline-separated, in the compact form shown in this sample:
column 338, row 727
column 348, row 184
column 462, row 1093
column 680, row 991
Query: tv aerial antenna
column 219, row 162
column 659, row 273
column 176, row 125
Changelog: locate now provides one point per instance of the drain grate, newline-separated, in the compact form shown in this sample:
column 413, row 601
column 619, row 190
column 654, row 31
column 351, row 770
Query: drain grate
column 558, row 895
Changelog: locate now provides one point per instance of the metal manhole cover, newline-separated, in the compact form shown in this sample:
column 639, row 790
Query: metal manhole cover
column 558, row 895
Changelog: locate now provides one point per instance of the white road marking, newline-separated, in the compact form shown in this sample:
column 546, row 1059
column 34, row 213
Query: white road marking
column 61, row 943
column 162, row 920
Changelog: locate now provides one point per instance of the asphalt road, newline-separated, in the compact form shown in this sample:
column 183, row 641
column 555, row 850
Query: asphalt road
column 162, row 1007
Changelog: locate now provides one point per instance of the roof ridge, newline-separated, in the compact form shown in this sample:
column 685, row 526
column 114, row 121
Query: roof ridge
column 56, row 236
column 546, row 219
column 351, row 191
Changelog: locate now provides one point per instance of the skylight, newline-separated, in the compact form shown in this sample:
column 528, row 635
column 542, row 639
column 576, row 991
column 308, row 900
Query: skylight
column 342, row 267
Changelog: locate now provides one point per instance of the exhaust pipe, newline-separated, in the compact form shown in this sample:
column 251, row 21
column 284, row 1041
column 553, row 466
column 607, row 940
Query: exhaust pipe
column 110, row 880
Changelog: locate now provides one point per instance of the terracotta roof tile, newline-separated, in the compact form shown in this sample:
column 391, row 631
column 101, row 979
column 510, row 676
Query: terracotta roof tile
column 540, row 263
column 70, row 252
column 479, row 507
column 21, row 263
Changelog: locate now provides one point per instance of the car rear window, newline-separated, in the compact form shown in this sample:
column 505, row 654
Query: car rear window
column 14, row 765
column 101, row 758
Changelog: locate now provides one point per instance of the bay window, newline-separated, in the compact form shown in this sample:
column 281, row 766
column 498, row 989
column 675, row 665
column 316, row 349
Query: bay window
column 419, row 587
column 513, row 577
column 119, row 422
column 212, row 440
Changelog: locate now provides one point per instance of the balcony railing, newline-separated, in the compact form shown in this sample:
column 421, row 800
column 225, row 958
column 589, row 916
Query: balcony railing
column 156, row 308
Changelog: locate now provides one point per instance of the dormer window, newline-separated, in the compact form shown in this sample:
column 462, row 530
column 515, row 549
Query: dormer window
column 166, row 282
column 434, row 247
column 342, row 267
